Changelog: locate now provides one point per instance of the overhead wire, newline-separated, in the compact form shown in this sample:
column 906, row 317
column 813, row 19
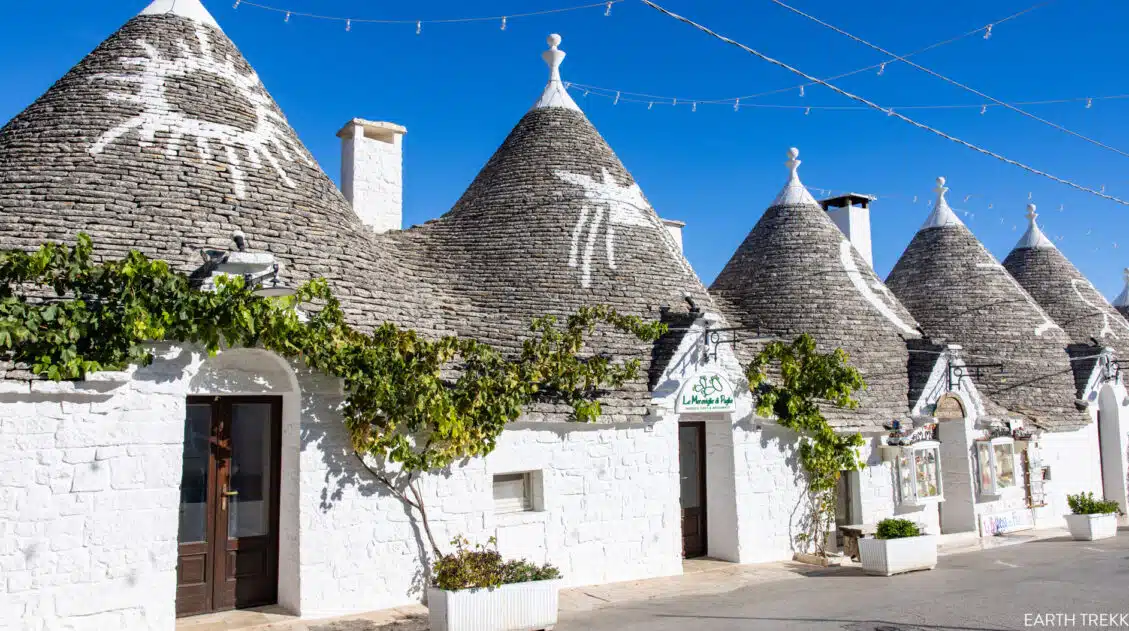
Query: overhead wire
column 880, row 66
column 888, row 111
column 949, row 80
column 606, row 4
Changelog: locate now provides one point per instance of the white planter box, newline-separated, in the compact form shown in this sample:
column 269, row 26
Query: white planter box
column 894, row 556
column 1090, row 527
column 514, row 607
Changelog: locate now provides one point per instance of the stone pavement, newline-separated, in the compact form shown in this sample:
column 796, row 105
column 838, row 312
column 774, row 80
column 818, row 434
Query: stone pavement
column 701, row 578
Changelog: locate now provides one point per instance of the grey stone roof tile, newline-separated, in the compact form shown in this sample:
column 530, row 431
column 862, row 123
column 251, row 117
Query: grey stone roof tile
column 961, row 295
column 796, row 273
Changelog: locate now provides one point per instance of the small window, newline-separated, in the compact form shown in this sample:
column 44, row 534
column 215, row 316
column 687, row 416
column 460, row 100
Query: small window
column 513, row 492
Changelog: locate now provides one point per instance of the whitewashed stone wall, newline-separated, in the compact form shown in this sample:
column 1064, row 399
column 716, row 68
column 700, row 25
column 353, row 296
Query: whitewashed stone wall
column 771, row 502
column 89, row 499
column 609, row 500
column 1075, row 468
column 89, row 496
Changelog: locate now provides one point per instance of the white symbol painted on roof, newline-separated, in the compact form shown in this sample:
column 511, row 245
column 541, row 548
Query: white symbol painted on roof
column 622, row 205
column 1098, row 308
column 269, row 141
column 846, row 256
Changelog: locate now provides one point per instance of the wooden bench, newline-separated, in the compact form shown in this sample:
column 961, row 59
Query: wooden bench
column 851, row 535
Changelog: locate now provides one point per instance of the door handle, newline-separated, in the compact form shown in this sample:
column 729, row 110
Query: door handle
column 226, row 493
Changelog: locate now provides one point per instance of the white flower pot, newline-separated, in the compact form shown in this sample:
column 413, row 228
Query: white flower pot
column 894, row 556
column 1090, row 527
column 514, row 607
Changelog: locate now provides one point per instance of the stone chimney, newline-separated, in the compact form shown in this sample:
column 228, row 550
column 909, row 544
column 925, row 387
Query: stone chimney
column 372, row 169
column 674, row 227
column 851, row 212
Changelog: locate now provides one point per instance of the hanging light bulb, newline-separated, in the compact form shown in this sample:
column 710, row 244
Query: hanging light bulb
column 287, row 20
column 419, row 26
column 1089, row 103
column 674, row 102
column 801, row 90
column 736, row 104
column 348, row 25
column 616, row 101
column 881, row 68
column 236, row 5
column 503, row 22
column 650, row 105
column 983, row 109
column 988, row 32
column 807, row 110
column 608, row 10
column 694, row 107
column 586, row 94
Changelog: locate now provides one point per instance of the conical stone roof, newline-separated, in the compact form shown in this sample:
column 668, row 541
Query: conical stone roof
column 796, row 273
column 1064, row 293
column 553, row 222
column 961, row 295
column 1121, row 302
column 164, row 139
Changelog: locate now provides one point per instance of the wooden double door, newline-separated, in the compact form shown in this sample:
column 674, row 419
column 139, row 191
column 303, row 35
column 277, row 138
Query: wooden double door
column 229, row 494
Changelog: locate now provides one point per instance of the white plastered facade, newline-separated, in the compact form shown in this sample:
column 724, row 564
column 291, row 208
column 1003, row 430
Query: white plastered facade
column 90, row 477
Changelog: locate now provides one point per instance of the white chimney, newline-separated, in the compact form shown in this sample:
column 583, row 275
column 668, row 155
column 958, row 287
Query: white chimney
column 851, row 212
column 674, row 227
column 372, row 172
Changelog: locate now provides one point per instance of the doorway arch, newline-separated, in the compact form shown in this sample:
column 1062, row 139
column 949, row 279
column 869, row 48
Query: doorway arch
column 253, row 372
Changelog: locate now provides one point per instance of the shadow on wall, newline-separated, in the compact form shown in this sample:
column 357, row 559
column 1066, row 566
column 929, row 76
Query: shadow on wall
column 776, row 439
column 323, row 429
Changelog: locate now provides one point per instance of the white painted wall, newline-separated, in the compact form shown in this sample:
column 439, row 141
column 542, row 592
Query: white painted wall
column 89, row 498
column 1114, row 439
column 372, row 172
column 1073, row 459
column 611, row 511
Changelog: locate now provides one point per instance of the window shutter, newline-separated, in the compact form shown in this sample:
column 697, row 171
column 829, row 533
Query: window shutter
column 512, row 493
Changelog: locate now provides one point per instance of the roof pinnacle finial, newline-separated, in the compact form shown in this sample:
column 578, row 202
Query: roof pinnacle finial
column 793, row 162
column 794, row 191
column 555, row 94
column 1122, row 300
column 553, row 57
column 940, row 189
column 1034, row 237
column 942, row 214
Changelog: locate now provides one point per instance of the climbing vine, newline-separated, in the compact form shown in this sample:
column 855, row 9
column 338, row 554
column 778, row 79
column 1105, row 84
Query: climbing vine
column 413, row 404
column 801, row 379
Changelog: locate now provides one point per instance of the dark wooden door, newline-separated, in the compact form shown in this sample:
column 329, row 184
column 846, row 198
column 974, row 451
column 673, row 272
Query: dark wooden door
column 228, row 538
column 692, row 469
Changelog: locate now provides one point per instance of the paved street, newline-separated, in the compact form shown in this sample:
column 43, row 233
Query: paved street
column 1000, row 589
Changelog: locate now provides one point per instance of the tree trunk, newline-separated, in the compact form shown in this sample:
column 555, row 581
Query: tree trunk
column 423, row 517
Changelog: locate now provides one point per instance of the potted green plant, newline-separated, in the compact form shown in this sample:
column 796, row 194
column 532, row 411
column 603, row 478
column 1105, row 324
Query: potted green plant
column 898, row 546
column 1091, row 518
column 474, row 589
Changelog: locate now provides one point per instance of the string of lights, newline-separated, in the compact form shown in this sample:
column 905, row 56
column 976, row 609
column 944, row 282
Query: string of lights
column 642, row 97
column 606, row 5
column 617, row 96
column 888, row 111
column 951, row 81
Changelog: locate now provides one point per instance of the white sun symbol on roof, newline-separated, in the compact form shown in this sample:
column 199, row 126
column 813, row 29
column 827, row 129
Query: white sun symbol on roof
column 268, row 142
column 614, row 205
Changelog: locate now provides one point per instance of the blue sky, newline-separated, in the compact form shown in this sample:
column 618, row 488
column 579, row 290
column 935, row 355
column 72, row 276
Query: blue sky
column 459, row 89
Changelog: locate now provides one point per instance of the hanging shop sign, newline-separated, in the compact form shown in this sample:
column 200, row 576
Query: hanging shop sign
column 706, row 392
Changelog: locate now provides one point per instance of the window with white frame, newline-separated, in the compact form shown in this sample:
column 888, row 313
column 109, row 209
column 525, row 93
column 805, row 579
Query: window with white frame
column 996, row 461
column 918, row 471
column 513, row 492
